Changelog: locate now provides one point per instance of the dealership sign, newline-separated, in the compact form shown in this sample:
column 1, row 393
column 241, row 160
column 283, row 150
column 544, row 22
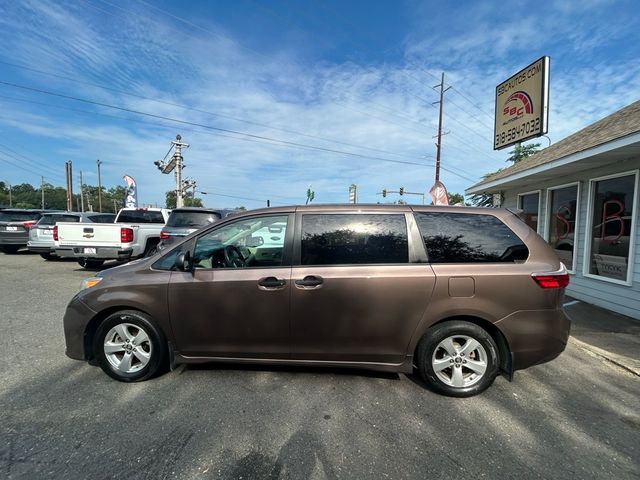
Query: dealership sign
column 522, row 105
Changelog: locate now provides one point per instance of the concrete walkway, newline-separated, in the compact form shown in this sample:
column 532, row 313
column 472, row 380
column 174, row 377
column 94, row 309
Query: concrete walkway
column 609, row 335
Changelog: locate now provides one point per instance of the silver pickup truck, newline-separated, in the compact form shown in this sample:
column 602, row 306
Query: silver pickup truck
column 135, row 233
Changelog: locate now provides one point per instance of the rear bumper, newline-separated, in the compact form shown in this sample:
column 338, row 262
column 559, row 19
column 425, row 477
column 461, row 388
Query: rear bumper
column 20, row 238
column 76, row 319
column 40, row 247
column 535, row 336
column 102, row 253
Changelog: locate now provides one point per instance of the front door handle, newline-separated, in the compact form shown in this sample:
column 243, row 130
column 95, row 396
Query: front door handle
column 271, row 283
column 309, row 282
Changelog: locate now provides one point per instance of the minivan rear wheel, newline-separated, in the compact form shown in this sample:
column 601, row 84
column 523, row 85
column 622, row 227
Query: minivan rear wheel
column 457, row 358
column 129, row 347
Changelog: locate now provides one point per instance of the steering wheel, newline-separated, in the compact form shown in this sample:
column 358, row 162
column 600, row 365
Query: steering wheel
column 233, row 257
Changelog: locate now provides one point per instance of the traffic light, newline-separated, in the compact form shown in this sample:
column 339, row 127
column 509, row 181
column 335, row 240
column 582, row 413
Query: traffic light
column 384, row 192
column 401, row 190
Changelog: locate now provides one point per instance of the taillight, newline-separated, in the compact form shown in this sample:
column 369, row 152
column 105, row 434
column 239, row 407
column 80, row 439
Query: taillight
column 558, row 279
column 126, row 235
column 163, row 235
column 28, row 225
column 55, row 233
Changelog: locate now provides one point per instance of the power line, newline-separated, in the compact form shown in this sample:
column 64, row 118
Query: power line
column 37, row 164
column 209, row 127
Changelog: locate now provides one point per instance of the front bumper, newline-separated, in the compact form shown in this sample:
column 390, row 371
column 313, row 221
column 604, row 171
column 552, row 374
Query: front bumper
column 102, row 253
column 76, row 319
column 535, row 336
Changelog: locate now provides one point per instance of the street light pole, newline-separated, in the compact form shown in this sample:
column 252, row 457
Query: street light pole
column 98, row 163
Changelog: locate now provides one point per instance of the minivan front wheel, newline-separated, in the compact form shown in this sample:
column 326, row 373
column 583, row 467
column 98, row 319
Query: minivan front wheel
column 129, row 347
column 457, row 358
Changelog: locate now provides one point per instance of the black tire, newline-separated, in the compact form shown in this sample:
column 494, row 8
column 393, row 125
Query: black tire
column 11, row 249
column 150, row 250
column 459, row 332
column 87, row 263
column 48, row 256
column 156, row 346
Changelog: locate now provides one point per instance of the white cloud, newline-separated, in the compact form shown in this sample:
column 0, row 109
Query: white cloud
column 383, row 107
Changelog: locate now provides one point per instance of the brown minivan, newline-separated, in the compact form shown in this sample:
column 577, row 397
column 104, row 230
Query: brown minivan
column 458, row 294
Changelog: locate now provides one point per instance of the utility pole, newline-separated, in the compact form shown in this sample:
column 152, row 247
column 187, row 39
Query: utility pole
column 10, row 199
column 81, row 193
column 42, row 191
column 179, row 166
column 98, row 163
column 69, row 176
column 439, row 144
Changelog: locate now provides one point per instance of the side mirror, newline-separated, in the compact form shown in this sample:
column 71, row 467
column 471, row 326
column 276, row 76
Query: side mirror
column 183, row 261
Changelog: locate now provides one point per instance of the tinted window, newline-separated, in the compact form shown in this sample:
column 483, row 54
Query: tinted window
column 53, row 219
column 18, row 216
column 353, row 239
column 107, row 218
column 192, row 219
column 140, row 216
column 469, row 238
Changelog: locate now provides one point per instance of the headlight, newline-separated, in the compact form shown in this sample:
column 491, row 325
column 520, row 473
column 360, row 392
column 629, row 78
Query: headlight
column 90, row 282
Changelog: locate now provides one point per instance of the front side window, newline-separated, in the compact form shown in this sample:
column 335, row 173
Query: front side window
column 247, row 243
column 354, row 239
column 563, row 214
column 469, row 238
column 530, row 204
column 612, row 202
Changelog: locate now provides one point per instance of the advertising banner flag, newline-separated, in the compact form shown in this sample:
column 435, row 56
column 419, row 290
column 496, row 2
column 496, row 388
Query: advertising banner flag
column 131, row 195
column 438, row 194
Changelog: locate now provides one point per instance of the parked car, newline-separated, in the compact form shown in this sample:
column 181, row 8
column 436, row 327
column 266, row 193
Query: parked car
column 186, row 220
column 459, row 294
column 14, row 227
column 41, row 235
column 135, row 234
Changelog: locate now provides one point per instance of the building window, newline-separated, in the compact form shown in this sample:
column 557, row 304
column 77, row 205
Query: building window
column 610, row 232
column 529, row 203
column 562, row 222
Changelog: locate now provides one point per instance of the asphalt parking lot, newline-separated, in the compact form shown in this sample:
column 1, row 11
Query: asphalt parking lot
column 576, row 417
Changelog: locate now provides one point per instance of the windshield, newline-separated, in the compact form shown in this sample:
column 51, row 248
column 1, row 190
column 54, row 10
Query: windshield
column 18, row 216
column 192, row 218
column 53, row 219
column 140, row 216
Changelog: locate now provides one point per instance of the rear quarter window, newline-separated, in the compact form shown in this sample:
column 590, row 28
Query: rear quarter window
column 469, row 238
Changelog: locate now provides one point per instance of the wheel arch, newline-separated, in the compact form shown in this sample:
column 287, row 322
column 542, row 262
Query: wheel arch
column 92, row 327
column 506, row 359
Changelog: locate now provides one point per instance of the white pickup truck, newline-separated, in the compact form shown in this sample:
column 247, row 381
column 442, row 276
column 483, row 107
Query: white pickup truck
column 135, row 233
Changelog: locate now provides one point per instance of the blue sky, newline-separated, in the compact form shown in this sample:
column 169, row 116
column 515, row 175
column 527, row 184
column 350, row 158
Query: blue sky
column 349, row 76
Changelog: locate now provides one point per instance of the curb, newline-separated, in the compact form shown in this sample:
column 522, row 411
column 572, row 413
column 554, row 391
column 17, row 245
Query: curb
column 618, row 360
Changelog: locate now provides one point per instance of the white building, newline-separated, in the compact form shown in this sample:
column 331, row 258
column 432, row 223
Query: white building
column 581, row 195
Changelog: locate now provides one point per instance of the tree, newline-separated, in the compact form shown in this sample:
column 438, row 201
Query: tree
column 519, row 153
column 189, row 201
column 455, row 198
